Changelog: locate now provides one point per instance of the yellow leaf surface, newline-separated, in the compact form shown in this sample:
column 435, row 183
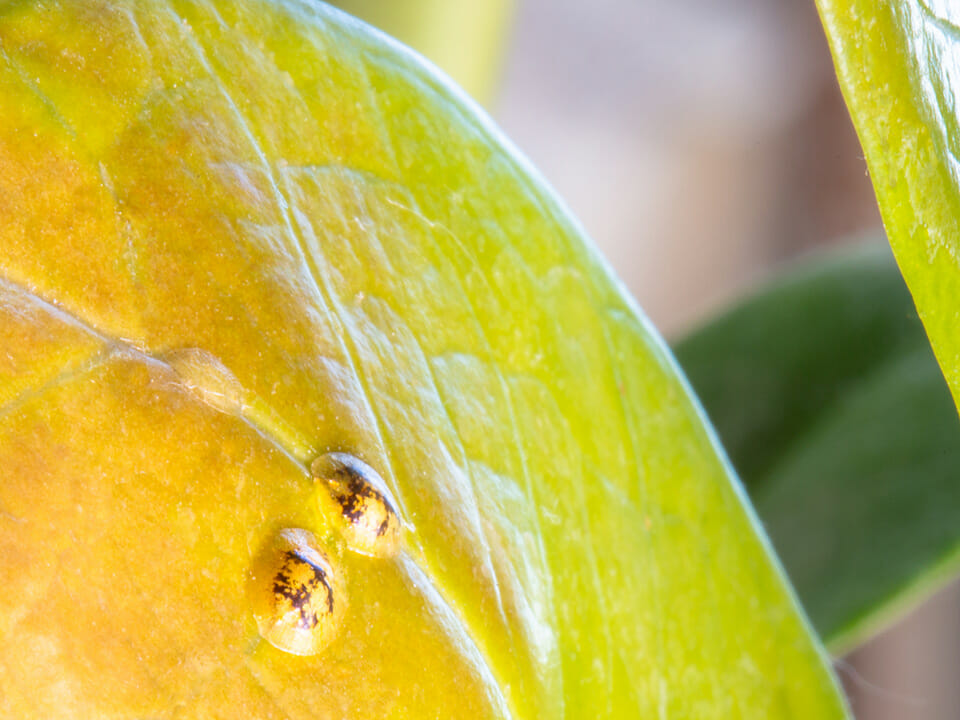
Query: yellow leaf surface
column 236, row 237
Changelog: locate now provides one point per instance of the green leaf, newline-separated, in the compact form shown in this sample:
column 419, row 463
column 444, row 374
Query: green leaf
column 465, row 40
column 897, row 66
column 236, row 236
column 830, row 402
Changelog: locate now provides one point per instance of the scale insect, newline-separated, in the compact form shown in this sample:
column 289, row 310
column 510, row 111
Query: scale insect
column 299, row 599
column 355, row 494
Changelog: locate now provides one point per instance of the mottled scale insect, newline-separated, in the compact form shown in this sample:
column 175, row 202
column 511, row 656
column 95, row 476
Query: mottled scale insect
column 299, row 601
column 355, row 494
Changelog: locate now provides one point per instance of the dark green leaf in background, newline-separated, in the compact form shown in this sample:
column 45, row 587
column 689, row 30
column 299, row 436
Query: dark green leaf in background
column 828, row 398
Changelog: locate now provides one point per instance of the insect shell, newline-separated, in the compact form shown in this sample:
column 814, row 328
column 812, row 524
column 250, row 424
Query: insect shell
column 299, row 601
column 356, row 496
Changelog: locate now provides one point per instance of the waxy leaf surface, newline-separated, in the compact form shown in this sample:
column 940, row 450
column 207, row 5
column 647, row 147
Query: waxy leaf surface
column 899, row 67
column 237, row 237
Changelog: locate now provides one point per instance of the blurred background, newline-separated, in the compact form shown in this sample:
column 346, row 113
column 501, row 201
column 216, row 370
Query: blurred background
column 703, row 144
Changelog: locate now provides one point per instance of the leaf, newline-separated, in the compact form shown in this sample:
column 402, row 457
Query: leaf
column 825, row 392
column 236, row 237
column 465, row 40
column 897, row 69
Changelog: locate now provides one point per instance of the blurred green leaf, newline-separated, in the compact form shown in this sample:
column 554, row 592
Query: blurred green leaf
column 832, row 407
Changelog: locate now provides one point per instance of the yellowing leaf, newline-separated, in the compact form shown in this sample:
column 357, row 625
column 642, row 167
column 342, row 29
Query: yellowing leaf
column 237, row 237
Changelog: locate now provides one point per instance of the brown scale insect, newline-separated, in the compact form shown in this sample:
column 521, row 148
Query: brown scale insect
column 298, row 599
column 356, row 495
